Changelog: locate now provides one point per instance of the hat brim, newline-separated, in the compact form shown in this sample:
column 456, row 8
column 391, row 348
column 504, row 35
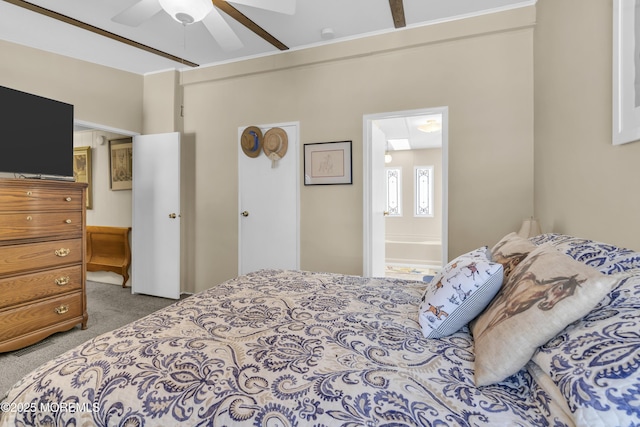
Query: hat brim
column 251, row 141
column 275, row 142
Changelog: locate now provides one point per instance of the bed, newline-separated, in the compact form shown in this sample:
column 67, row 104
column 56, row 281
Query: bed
column 299, row 348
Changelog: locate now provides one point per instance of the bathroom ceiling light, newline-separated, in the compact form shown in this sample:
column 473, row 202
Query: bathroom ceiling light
column 430, row 126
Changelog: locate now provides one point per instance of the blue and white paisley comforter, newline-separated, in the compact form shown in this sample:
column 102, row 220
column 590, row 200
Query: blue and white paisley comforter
column 278, row 348
column 594, row 364
column 290, row 348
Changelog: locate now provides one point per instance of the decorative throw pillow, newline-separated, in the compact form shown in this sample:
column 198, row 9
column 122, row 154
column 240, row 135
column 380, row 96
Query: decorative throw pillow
column 459, row 293
column 510, row 251
column 546, row 292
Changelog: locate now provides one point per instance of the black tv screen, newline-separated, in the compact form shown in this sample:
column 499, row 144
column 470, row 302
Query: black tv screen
column 36, row 135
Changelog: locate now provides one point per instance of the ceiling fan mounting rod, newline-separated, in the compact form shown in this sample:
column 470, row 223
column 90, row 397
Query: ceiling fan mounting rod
column 71, row 21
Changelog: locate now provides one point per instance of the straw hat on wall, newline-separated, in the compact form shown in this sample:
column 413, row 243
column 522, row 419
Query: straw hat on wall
column 251, row 141
column 275, row 144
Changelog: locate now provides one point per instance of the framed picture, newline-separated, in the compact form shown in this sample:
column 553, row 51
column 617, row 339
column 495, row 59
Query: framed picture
column 121, row 163
column 626, row 72
column 327, row 163
column 82, row 170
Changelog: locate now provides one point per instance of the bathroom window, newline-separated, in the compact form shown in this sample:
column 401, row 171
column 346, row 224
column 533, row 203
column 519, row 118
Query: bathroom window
column 394, row 191
column 423, row 199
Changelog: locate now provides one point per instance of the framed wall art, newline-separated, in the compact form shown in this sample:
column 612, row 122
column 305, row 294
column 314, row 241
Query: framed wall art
column 327, row 163
column 82, row 170
column 626, row 71
column 121, row 163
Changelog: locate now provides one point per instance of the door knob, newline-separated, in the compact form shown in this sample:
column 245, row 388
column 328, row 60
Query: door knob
column 385, row 213
column 244, row 213
column 172, row 215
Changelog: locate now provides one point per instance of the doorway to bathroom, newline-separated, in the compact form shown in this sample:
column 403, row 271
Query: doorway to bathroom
column 405, row 213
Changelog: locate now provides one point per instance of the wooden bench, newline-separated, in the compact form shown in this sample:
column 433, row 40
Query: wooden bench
column 108, row 249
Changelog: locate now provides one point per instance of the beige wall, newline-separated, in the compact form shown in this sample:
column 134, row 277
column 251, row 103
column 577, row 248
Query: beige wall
column 584, row 185
column 162, row 103
column 99, row 94
column 481, row 69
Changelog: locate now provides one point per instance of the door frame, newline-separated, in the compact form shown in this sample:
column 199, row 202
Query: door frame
column 368, row 208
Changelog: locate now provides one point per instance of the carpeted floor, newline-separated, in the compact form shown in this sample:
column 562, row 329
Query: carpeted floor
column 109, row 307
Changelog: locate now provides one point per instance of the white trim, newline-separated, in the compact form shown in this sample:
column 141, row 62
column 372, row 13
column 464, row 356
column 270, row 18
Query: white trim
column 96, row 126
column 626, row 112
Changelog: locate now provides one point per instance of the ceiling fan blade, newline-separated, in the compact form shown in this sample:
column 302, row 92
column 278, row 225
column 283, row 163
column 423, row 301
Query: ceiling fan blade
column 138, row 13
column 288, row 7
column 234, row 13
column 221, row 31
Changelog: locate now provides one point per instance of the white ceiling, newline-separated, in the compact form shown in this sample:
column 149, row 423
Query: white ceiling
column 407, row 128
column 347, row 18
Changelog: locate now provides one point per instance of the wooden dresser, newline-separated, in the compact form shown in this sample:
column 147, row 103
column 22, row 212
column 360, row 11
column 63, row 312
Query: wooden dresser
column 42, row 260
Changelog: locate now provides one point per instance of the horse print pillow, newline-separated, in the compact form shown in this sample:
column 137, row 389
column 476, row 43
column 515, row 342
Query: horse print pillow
column 510, row 251
column 459, row 293
column 545, row 292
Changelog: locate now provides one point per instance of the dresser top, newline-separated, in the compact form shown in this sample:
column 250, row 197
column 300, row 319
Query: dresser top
column 41, row 183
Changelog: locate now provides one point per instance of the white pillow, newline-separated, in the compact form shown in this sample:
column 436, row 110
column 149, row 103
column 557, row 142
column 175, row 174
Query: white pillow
column 459, row 293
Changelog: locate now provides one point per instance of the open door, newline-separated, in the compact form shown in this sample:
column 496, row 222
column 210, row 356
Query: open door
column 378, row 198
column 155, row 268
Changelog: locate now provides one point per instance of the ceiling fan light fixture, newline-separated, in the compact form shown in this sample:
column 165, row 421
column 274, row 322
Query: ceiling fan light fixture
column 187, row 11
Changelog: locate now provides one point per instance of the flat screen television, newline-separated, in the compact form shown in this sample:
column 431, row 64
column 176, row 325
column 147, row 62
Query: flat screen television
column 36, row 136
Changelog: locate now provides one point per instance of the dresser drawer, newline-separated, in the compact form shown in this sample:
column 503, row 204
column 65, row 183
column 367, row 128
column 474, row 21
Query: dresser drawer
column 30, row 225
column 33, row 198
column 32, row 317
column 30, row 287
column 38, row 256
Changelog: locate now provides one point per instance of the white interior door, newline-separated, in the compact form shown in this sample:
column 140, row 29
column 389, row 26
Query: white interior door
column 378, row 202
column 155, row 264
column 268, row 207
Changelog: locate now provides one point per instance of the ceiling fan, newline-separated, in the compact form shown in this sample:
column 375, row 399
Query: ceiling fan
column 211, row 19
column 207, row 12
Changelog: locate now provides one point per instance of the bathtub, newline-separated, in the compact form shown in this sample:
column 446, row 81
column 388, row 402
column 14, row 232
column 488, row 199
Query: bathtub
column 413, row 250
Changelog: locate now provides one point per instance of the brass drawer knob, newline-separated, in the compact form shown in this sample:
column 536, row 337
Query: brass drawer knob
column 62, row 309
column 29, row 193
column 62, row 252
column 68, row 199
column 64, row 280
column 68, row 221
column 29, row 217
